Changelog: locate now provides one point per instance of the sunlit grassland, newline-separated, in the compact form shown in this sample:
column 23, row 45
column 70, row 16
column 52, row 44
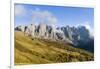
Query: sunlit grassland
column 40, row 51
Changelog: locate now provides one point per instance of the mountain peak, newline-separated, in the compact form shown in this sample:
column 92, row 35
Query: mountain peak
column 69, row 34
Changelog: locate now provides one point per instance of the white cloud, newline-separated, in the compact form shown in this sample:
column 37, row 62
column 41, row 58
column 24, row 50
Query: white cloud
column 20, row 10
column 44, row 16
column 37, row 15
column 52, row 19
column 87, row 25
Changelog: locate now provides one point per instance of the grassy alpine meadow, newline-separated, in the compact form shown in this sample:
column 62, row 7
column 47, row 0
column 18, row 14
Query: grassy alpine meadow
column 42, row 51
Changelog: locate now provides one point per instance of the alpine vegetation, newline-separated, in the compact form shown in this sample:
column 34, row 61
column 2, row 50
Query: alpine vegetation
column 72, row 35
column 52, row 34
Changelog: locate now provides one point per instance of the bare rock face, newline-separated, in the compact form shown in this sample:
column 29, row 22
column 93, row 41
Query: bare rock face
column 42, row 30
column 72, row 35
column 30, row 30
column 76, row 34
column 20, row 28
column 83, row 33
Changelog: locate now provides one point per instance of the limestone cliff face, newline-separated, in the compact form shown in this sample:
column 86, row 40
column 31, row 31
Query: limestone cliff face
column 69, row 34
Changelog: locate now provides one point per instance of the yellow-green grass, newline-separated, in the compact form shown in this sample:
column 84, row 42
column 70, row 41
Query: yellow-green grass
column 40, row 51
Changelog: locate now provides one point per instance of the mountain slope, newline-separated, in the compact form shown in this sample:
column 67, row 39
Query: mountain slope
column 40, row 51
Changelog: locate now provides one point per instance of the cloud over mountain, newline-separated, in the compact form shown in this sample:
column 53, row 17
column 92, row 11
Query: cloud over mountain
column 36, row 16
column 43, row 16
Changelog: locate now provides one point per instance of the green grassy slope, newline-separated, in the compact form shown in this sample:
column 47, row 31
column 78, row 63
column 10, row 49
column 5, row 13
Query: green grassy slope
column 39, row 51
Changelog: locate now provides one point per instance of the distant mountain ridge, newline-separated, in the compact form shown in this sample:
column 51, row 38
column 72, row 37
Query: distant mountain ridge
column 78, row 36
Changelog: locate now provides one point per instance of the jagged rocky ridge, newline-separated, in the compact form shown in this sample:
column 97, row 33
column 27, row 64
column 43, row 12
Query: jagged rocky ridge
column 78, row 36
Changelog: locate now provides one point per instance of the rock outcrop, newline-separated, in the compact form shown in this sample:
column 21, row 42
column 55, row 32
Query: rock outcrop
column 73, row 35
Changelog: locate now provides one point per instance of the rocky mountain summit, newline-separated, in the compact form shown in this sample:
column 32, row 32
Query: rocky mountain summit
column 78, row 36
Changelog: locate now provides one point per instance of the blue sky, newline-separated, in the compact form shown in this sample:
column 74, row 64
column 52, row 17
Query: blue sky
column 59, row 15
